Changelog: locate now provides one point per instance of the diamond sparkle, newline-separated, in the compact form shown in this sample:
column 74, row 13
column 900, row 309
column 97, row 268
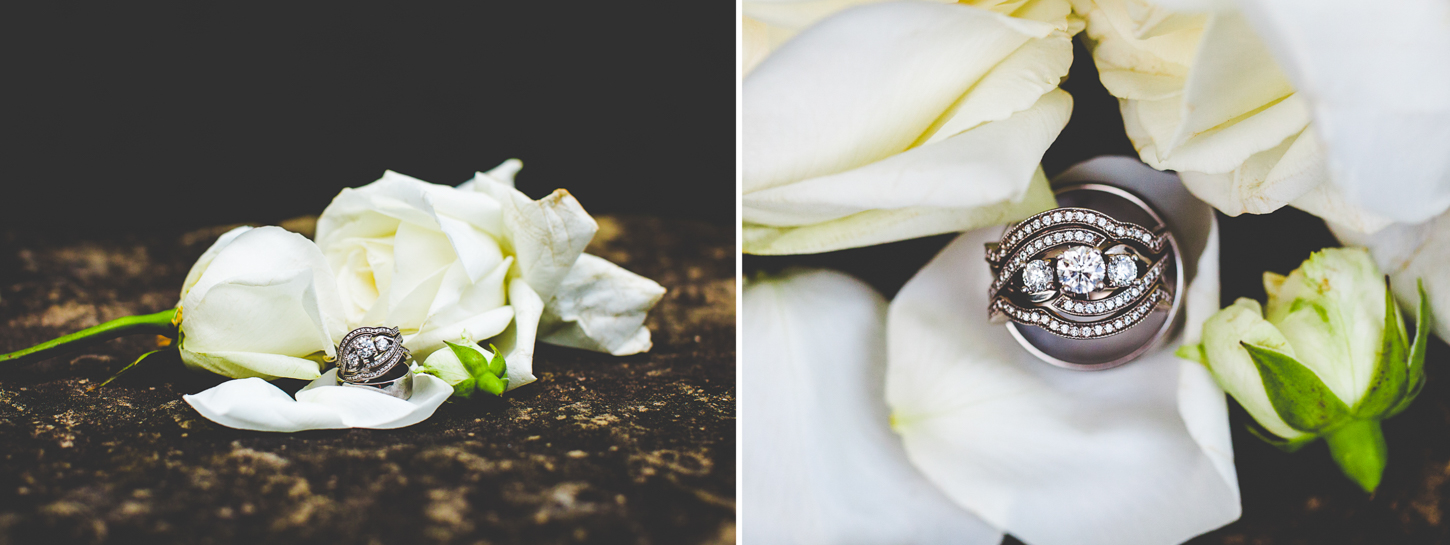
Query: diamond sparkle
column 1080, row 269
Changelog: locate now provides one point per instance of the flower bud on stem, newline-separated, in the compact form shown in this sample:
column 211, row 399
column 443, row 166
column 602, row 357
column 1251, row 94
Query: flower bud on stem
column 160, row 323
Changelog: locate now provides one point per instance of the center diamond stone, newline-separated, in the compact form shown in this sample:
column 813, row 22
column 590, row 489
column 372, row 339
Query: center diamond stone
column 1080, row 269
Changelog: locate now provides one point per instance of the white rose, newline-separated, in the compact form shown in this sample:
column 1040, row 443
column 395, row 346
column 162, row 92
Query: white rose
column 260, row 303
column 1203, row 94
column 480, row 260
column 899, row 120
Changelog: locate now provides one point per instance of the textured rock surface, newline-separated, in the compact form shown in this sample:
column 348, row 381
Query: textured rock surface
column 637, row 449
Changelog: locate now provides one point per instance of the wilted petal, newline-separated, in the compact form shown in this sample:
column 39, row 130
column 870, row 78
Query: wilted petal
column 1376, row 78
column 255, row 404
column 864, row 84
column 601, row 306
column 821, row 464
column 1138, row 454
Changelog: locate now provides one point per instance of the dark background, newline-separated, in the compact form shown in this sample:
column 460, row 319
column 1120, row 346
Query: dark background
column 192, row 114
column 1299, row 498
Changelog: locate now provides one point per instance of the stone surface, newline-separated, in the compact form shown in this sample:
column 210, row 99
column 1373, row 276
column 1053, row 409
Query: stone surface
column 602, row 449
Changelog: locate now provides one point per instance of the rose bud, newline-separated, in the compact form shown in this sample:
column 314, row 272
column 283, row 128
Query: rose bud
column 1329, row 357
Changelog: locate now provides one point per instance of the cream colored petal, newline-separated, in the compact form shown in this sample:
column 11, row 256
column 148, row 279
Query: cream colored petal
column 881, row 226
column 462, row 300
column 820, row 463
column 1376, row 78
column 503, row 174
column 480, row 327
column 517, row 342
column 600, row 306
column 1015, row 84
column 253, row 404
column 268, row 252
column 1138, row 454
column 1051, row 456
column 546, row 236
column 1266, row 181
column 1409, row 253
column 795, row 15
column 986, row 166
column 754, row 43
column 1233, row 78
column 272, row 316
column 864, row 84
column 193, row 275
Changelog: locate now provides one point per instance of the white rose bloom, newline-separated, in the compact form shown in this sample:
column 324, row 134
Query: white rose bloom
column 899, row 120
column 260, row 303
column 1203, row 94
column 483, row 260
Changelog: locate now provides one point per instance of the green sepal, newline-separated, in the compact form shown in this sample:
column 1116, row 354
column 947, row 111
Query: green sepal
column 465, row 388
column 1359, row 449
column 471, row 359
column 1286, row 445
column 1424, row 322
column 492, row 384
column 497, row 366
column 1388, row 384
column 1192, row 352
column 1300, row 398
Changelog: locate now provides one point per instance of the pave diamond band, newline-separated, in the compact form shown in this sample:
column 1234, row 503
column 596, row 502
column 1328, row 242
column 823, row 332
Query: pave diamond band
column 1078, row 273
column 375, row 358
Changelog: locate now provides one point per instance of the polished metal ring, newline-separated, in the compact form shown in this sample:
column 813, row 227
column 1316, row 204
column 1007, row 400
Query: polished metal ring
column 1085, row 276
column 375, row 358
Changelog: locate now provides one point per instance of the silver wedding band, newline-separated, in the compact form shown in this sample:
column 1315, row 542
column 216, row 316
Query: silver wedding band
column 375, row 358
column 1078, row 285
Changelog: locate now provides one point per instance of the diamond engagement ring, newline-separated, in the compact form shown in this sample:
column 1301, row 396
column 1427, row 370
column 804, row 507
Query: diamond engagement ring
column 1091, row 279
column 374, row 358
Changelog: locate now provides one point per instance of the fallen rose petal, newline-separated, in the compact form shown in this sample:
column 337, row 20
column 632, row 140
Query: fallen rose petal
column 255, row 404
column 1137, row 454
column 820, row 462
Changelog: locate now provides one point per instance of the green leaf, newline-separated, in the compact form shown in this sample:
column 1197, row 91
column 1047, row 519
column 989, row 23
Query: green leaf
column 472, row 359
column 497, row 365
column 1300, row 398
column 1286, row 445
column 124, row 369
column 492, row 384
column 1359, row 449
column 1424, row 322
column 1388, row 384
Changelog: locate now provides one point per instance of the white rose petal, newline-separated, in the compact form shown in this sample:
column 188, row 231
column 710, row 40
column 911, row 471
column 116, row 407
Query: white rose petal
column 820, row 463
column 1410, row 254
column 1138, row 454
column 255, row 404
column 1375, row 77
column 601, row 306
column 898, row 120
column 260, row 303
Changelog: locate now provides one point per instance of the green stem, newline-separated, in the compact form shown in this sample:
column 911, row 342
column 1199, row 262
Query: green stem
column 158, row 323
column 1359, row 449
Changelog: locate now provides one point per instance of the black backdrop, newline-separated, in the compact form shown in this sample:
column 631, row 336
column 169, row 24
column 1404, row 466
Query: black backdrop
column 194, row 114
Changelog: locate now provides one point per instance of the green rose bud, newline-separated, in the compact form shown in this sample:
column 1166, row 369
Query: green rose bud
column 1329, row 357
column 467, row 367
